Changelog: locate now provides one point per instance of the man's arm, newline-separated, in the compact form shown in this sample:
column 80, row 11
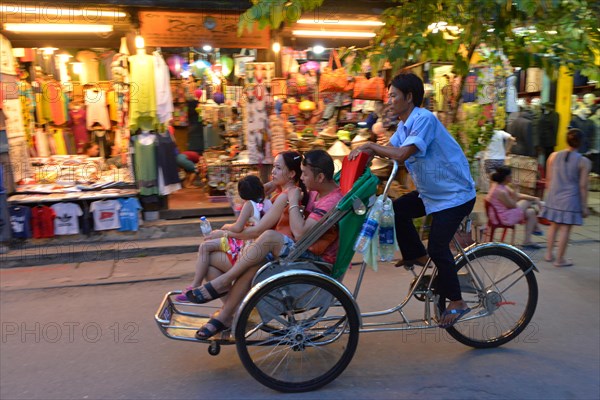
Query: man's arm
column 509, row 144
column 399, row 154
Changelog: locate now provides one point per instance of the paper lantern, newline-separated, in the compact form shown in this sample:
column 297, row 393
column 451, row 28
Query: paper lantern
column 312, row 66
column 175, row 64
column 226, row 65
column 198, row 93
column 307, row 105
column 219, row 98
column 199, row 67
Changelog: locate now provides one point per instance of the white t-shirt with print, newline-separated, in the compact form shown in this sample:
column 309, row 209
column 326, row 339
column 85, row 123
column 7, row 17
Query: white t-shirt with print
column 67, row 218
column 106, row 214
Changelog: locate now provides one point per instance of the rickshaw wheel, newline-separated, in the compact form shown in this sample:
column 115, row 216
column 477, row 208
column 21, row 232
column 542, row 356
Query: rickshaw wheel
column 506, row 303
column 311, row 337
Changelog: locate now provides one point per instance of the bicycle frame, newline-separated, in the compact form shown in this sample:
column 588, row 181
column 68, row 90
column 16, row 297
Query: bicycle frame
column 430, row 299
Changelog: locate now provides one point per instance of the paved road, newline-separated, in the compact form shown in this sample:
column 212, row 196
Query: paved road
column 100, row 342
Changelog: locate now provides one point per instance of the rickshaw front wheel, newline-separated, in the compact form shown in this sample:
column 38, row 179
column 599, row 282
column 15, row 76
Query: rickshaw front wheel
column 297, row 332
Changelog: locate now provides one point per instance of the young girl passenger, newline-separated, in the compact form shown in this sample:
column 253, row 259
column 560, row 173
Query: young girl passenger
column 250, row 189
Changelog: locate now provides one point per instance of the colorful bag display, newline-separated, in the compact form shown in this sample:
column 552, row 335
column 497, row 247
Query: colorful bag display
column 335, row 80
column 279, row 87
column 240, row 61
column 369, row 89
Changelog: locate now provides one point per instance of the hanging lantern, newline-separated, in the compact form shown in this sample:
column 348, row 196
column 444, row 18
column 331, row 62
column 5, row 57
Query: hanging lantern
column 198, row 94
column 312, row 66
column 175, row 64
column 219, row 98
column 226, row 65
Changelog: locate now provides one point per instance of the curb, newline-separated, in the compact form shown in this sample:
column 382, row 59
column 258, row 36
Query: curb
column 90, row 284
column 48, row 255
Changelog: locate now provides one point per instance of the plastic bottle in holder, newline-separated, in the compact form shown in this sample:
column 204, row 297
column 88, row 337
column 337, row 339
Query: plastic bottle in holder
column 386, row 234
column 369, row 228
column 205, row 226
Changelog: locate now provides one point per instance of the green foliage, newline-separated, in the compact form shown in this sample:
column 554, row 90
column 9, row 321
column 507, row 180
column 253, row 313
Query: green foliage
column 542, row 33
column 273, row 13
column 475, row 132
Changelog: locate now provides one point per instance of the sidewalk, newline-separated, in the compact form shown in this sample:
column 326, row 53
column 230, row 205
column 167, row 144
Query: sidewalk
column 118, row 262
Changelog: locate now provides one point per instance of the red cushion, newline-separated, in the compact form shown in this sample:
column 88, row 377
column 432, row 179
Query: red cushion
column 352, row 170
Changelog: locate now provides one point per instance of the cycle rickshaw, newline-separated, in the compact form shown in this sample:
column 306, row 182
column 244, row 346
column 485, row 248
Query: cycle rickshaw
column 297, row 329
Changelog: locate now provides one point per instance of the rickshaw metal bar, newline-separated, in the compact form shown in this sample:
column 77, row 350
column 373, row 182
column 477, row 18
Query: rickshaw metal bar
column 361, row 275
column 189, row 328
column 406, row 299
column 390, row 179
column 468, row 264
column 406, row 320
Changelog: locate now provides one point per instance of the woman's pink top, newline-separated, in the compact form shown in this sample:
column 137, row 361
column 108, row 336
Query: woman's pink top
column 508, row 216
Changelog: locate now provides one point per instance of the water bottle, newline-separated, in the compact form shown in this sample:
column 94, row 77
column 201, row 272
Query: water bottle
column 369, row 228
column 205, row 226
column 386, row 234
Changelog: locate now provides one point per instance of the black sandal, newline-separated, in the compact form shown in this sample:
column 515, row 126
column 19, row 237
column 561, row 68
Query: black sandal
column 196, row 296
column 206, row 333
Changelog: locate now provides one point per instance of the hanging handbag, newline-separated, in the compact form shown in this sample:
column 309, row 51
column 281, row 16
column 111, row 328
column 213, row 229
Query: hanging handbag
column 240, row 61
column 279, row 87
column 334, row 80
column 369, row 89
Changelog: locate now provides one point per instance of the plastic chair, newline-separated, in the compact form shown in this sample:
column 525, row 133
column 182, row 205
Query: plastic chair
column 494, row 223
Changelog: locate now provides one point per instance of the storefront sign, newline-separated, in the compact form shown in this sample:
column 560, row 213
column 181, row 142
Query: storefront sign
column 182, row 29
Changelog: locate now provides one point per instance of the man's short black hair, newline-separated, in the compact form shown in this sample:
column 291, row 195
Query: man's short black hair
column 408, row 82
column 319, row 161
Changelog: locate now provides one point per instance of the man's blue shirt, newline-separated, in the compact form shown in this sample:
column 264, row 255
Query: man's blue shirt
column 439, row 169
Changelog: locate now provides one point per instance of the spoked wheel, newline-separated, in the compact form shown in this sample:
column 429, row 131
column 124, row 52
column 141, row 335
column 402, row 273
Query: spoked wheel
column 507, row 302
column 297, row 333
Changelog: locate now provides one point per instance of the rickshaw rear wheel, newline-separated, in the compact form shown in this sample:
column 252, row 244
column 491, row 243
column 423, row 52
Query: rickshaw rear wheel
column 311, row 338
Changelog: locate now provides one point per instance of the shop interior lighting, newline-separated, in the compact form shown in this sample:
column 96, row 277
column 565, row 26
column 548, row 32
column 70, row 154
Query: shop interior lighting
column 276, row 47
column 18, row 52
column 77, row 67
column 318, row 49
column 48, row 51
column 207, row 48
column 339, row 22
column 139, row 42
column 58, row 28
column 17, row 9
column 333, row 34
column 64, row 57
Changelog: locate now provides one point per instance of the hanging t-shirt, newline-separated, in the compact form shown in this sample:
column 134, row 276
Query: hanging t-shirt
column 128, row 214
column 78, row 127
column 20, row 221
column 142, row 101
column 96, row 109
column 42, row 221
column 106, row 214
column 67, row 218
